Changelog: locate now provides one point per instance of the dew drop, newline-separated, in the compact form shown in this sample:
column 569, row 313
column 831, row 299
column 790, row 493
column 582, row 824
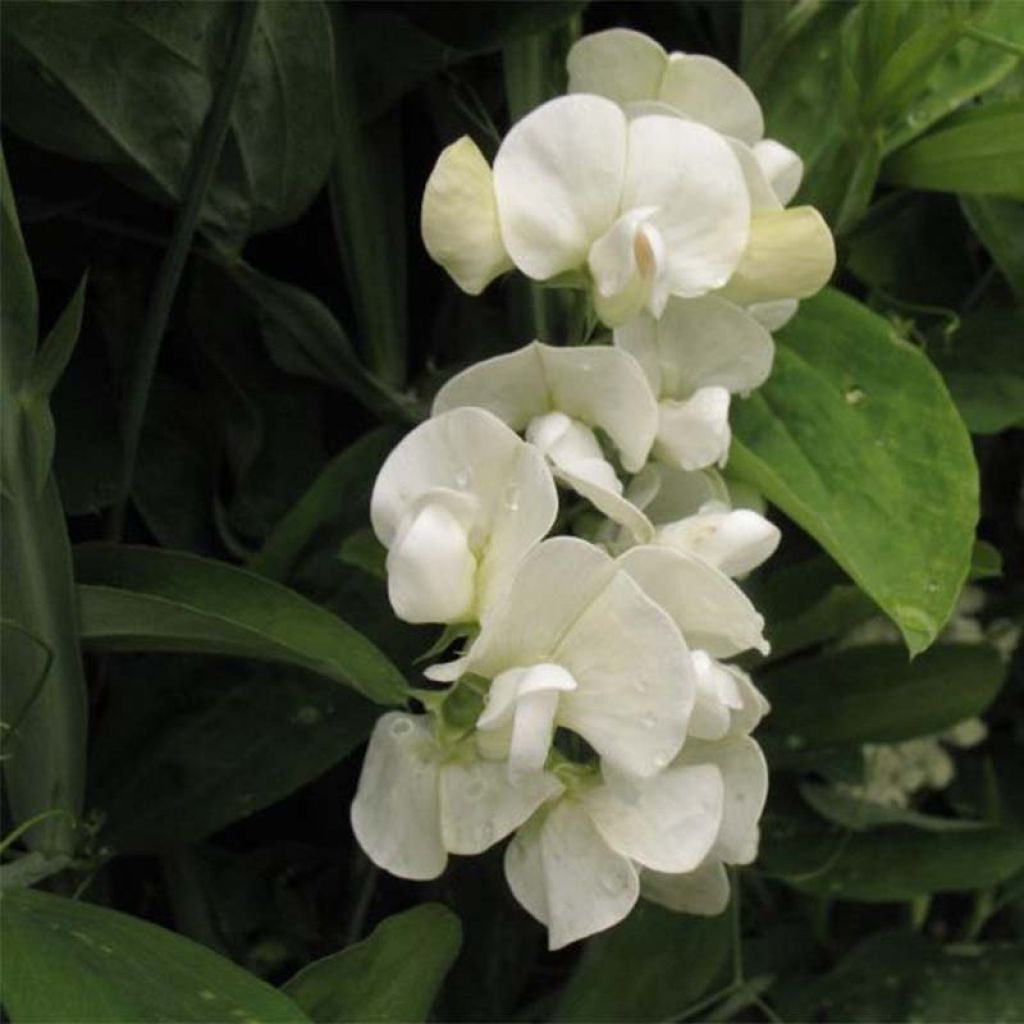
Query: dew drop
column 649, row 721
column 400, row 727
column 661, row 760
column 612, row 882
column 510, row 499
column 463, row 476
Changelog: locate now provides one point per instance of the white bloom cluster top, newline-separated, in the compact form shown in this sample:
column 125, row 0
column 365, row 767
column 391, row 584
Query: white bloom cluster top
column 590, row 714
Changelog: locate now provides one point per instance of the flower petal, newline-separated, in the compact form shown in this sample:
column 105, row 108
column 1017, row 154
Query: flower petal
column 679, row 492
column 565, row 875
column 470, row 450
column 704, row 891
column 706, row 90
column 699, row 343
column 735, row 541
column 712, row 613
column 773, row 315
column 791, row 255
column 691, row 174
column 607, row 500
column 694, row 433
column 623, row 65
column 668, row 822
column 558, row 177
column 459, row 218
column 782, row 167
column 745, row 773
column 479, row 807
column 395, row 813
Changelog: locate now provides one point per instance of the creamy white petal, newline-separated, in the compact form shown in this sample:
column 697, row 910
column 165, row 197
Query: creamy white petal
column 558, row 178
column 691, row 174
column 628, row 267
column 698, row 343
column 473, row 452
column 567, row 877
column 680, row 492
column 635, row 685
column 710, row 610
column 782, row 167
column 774, row 315
column 704, row 891
column 668, row 822
column 735, row 541
column 762, row 194
column 607, row 499
column 619, row 63
column 791, row 255
column 597, row 385
column 706, row 90
column 431, row 570
column 459, row 218
column 395, row 814
column 753, row 706
column 713, row 710
column 694, row 433
column 745, row 773
column 479, row 806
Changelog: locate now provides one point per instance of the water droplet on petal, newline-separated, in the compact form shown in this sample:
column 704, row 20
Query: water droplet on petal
column 463, row 476
column 510, row 499
column 661, row 760
column 649, row 721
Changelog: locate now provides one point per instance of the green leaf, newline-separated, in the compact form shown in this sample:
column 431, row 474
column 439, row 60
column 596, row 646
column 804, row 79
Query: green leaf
column 978, row 151
column 890, row 863
column 984, row 370
column 87, row 80
column 874, row 694
column 45, row 766
column 337, row 502
column 999, row 223
column 393, row 976
column 856, row 439
column 901, row 975
column 859, row 815
column 139, row 599
column 66, row 960
column 652, row 966
column 986, row 561
column 210, row 742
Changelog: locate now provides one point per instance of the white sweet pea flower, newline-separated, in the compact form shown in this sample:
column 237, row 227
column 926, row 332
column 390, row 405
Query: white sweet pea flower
column 727, row 702
column 575, row 866
column 418, row 801
column 645, row 209
column 575, row 642
column 458, row 503
column 733, row 540
column 694, row 357
column 705, row 889
column 711, row 611
column 558, row 397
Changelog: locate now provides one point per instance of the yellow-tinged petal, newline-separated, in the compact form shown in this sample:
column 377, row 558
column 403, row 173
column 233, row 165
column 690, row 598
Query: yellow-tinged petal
column 459, row 218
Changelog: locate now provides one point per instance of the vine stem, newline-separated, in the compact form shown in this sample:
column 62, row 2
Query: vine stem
column 202, row 166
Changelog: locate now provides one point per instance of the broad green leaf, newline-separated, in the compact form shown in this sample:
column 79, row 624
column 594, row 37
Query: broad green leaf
column 999, row 224
column 45, row 766
column 211, row 741
column 979, row 151
column 652, row 966
column 855, row 438
column 874, row 694
column 986, row 561
column 362, row 550
column 146, row 599
column 66, row 960
column 851, row 812
column 890, row 863
column 392, row 976
column 337, row 502
column 983, row 365
column 901, row 975
column 87, row 80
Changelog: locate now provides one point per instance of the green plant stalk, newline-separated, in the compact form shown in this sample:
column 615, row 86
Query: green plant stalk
column 367, row 230
column 524, row 62
column 204, row 163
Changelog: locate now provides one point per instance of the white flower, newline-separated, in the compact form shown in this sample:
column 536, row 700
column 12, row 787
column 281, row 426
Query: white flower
column 575, row 866
column 558, row 397
column 574, row 642
column 705, row 890
column 699, row 352
column 728, row 703
column 458, row 503
column 646, row 208
column 790, row 253
column 417, row 802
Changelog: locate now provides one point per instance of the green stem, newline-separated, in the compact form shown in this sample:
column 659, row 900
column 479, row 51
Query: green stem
column 979, row 35
column 204, row 162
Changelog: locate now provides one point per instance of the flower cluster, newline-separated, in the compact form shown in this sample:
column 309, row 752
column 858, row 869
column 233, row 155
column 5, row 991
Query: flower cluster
column 590, row 713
